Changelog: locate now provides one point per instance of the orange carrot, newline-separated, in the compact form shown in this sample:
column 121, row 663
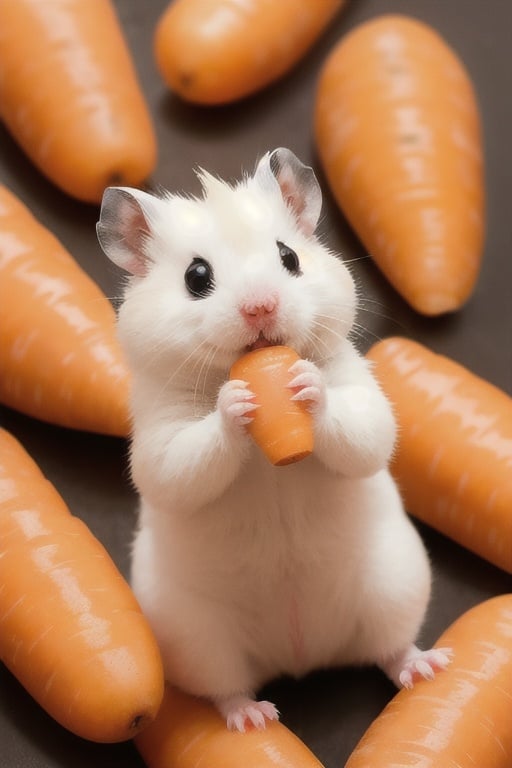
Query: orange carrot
column 454, row 459
column 281, row 427
column 217, row 51
column 59, row 357
column 462, row 717
column 70, row 96
column 71, row 630
column 189, row 733
column 398, row 133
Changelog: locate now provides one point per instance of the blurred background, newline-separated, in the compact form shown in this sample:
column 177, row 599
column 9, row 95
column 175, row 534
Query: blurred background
column 329, row 711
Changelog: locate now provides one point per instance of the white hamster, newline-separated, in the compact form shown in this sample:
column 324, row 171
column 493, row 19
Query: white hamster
column 248, row 571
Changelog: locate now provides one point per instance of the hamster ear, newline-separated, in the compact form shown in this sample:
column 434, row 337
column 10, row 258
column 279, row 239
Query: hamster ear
column 125, row 225
column 299, row 187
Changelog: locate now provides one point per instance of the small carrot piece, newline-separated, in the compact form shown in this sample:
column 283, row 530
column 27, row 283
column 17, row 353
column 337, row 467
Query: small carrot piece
column 454, row 458
column 217, row 51
column 189, row 733
column 70, row 96
column 59, row 356
column 71, row 630
column 462, row 717
column 281, row 426
column 398, row 133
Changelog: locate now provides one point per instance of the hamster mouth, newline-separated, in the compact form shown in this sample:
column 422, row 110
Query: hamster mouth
column 262, row 342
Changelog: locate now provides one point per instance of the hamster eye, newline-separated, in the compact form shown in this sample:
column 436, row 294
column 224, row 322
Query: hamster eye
column 289, row 259
column 199, row 278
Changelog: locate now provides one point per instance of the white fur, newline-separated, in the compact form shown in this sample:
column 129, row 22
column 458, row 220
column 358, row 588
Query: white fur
column 247, row 571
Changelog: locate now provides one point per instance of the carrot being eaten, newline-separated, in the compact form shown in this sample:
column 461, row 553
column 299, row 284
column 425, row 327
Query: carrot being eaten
column 398, row 134
column 281, row 427
column 71, row 630
column 462, row 717
column 59, row 357
column 70, row 96
column 190, row 732
column 217, row 51
column 454, row 458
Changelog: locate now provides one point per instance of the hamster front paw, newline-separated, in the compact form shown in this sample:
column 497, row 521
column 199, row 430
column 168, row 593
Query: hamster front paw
column 235, row 402
column 308, row 384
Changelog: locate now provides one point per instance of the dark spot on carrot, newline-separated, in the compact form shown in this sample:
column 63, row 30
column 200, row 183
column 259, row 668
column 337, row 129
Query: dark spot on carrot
column 187, row 79
column 136, row 722
column 116, row 178
column 409, row 138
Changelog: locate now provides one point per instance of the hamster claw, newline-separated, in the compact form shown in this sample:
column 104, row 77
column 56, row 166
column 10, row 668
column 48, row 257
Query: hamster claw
column 243, row 713
column 416, row 664
column 307, row 382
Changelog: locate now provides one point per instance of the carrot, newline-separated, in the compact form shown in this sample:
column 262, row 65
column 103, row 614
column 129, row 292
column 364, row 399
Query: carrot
column 189, row 733
column 397, row 129
column 281, row 427
column 71, row 630
column 217, row 51
column 462, row 717
column 70, row 96
column 59, row 357
column 454, row 459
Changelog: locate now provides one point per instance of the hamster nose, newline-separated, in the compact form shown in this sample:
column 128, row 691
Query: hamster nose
column 257, row 312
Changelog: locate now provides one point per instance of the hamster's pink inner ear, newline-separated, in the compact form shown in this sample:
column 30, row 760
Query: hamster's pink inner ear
column 299, row 187
column 124, row 228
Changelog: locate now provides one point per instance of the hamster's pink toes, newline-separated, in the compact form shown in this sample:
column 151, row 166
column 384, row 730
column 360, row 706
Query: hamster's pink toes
column 413, row 664
column 307, row 382
column 424, row 664
column 242, row 713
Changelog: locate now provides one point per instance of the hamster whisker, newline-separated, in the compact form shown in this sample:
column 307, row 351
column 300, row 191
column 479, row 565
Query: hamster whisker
column 353, row 260
column 204, row 370
column 326, row 327
column 170, row 379
column 317, row 340
column 162, row 343
column 382, row 315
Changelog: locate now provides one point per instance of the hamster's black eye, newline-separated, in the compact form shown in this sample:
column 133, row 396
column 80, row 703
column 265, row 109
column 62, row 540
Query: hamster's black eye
column 199, row 278
column 289, row 259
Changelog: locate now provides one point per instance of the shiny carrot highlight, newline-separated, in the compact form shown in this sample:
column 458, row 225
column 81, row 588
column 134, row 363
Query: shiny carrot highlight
column 70, row 96
column 454, row 457
column 218, row 51
column 190, row 732
column 281, row 427
column 71, row 630
column 59, row 357
column 462, row 717
column 398, row 133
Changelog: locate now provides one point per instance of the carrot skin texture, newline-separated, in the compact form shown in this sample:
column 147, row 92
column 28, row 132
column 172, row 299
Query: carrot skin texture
column 190, row 733
column 59, row 355
column 462, row 717
column 397, row 129
column 282, row 428
column 217, row 51
column 70, row 96
column 454, row 458
column 71, row 630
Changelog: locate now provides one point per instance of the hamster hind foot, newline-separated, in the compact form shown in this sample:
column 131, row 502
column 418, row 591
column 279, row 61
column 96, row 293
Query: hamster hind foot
column 413, row 664
column 242, row 712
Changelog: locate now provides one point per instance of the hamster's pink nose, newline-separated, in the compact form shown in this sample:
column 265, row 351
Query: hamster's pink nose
column 258, row 312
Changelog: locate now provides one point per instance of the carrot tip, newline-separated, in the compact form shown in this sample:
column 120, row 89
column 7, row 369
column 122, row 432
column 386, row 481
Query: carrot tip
column 437, row 303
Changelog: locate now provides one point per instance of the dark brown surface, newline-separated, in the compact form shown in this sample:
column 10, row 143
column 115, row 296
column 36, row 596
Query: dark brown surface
column 329, row 710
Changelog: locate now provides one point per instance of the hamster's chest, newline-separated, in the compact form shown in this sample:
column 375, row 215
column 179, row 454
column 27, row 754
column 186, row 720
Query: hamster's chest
column 286, row 523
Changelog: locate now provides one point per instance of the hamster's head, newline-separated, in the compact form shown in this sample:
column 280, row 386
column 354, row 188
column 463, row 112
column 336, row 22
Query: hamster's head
column 236, row 269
